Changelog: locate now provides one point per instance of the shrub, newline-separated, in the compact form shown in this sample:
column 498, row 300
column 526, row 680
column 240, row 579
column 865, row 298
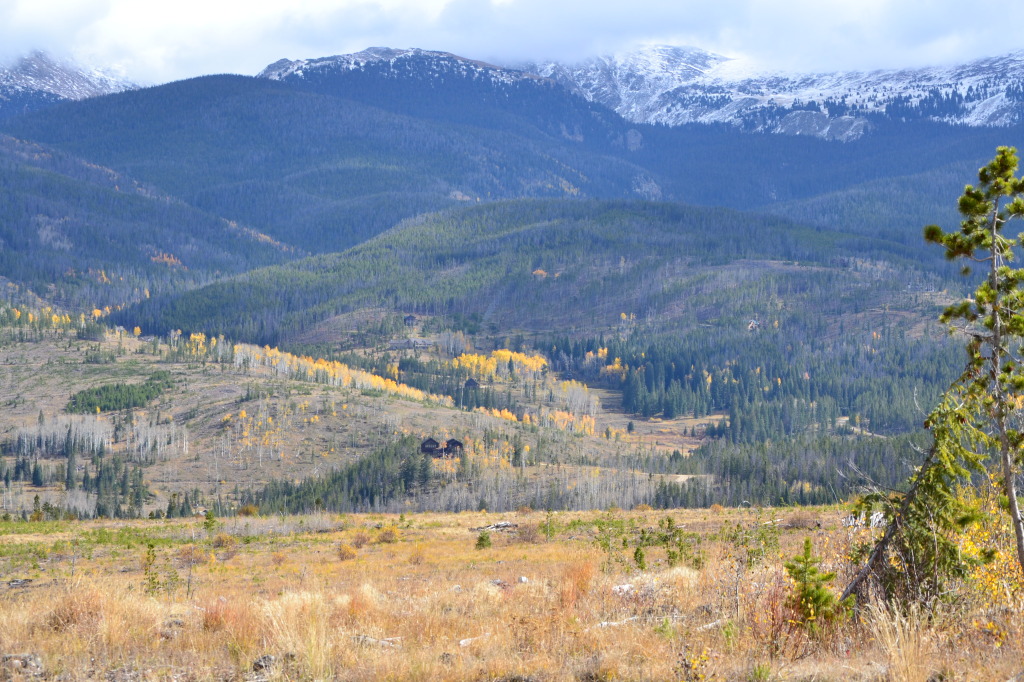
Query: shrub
column 388, row 534
column 347, row 551
column 483, row 541
column 190, row 555
column 528, row 532
column 249, row 510
column 640, row 559
column 802, row 518
column 76, row 607
column 224, row 614
column 760, row 672
column 360, row 539
column 224, row 541
column 575, row 582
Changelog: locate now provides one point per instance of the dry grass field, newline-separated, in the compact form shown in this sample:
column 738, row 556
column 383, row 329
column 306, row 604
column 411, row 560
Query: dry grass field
column 419, row 597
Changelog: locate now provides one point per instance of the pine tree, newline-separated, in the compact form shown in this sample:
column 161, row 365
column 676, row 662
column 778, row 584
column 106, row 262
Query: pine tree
column 69, row 477
column 811, row 597
column 917, row 553
column 993, row 319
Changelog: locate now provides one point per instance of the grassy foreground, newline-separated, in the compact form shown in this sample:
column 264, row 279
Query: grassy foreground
column 557, row 597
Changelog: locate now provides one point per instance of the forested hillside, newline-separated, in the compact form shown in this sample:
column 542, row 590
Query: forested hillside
column 554, row 265
column 83, row 236
column 720, row 166
column 315, row 171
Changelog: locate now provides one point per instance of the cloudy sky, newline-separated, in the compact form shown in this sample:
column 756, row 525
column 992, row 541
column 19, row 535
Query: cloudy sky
column 152, row 41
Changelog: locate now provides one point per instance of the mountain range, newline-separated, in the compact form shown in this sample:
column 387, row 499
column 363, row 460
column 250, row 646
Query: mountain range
column 655, row 84
column 673, row 86
column 318, row 156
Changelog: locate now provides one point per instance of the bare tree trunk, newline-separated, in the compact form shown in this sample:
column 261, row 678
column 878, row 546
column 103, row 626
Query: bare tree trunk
column 878, row 553
column 1000, row 409
column 1010, row 486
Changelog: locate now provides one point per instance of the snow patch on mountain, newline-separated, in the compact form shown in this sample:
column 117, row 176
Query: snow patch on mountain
column 670, row 85
column 396, row 61
column 40, row 73
column 676, row 85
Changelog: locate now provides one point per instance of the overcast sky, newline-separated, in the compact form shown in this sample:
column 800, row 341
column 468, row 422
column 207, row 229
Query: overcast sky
column 153, row 41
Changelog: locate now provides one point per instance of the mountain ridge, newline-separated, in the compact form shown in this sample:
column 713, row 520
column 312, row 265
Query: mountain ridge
column 285, row 68
column 671, row 85
column 674, row 86
column 654, row 84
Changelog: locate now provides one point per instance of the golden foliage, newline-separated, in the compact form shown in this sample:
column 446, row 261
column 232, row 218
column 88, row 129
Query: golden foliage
column 328, row 372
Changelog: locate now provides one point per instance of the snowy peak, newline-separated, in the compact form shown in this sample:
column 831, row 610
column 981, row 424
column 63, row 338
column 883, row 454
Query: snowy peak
column 675, row 85
column 629, row 82
column 38, row 81
column 392, row 62
column 671, row 85
column 665, row 64
column 40, row 72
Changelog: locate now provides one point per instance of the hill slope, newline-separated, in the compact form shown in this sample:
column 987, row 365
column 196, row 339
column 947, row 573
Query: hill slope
column 315, row 171
column 324, row 154
column 83, row 236
column 547, row 265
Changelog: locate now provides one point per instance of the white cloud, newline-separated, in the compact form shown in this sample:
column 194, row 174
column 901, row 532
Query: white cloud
column 161, row 41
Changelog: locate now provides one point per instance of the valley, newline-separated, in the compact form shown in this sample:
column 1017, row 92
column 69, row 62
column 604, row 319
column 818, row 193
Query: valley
column 697, row 296
column 406, row 365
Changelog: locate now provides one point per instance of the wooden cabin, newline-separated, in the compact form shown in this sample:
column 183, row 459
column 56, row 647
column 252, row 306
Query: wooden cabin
column 451, row 447
column 471, row 383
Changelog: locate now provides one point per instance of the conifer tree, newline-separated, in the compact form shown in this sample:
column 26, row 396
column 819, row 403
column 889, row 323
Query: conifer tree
column 69, row 478
column 977, row 415
column 993, row 319
column 811, row 597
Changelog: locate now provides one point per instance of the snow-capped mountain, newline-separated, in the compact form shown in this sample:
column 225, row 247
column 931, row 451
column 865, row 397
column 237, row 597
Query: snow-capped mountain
column 393, row 63
column 677, row 85
column 446, row 87
column 38, row 80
